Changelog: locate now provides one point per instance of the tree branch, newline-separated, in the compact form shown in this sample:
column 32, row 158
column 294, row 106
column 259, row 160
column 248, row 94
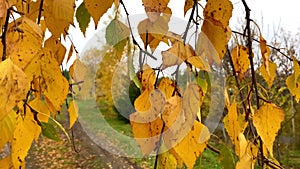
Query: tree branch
column 237, row 81
column 189, row 22
column 276, row 49
column 40, row 12
column 3, row 37
column 133, row 39
column 249, row 45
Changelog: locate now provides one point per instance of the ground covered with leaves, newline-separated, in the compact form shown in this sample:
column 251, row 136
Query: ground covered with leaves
column 50, row 154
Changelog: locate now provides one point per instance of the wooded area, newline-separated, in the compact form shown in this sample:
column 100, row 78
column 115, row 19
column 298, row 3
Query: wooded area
column 154, row 95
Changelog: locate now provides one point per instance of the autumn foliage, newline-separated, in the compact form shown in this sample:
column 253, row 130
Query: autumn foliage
column 167, row 121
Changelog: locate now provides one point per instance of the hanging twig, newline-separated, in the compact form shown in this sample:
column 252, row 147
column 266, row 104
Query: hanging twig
column 40, row 12
column 133, row 39
column 237, row 81
column 189, row 22
column 3, row 37
column 158, row 146
column 276, row 49
column 254, row 85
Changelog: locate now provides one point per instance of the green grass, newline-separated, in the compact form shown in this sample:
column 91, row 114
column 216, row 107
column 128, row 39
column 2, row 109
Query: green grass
column 91, row 116
column 90, row 113
column 291, row 158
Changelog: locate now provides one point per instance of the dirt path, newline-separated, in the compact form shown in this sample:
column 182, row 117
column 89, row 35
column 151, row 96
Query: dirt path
column 51, row 154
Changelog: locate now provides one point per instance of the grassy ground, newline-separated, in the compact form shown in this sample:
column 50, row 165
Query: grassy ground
column 209, row 159
column 108, row 125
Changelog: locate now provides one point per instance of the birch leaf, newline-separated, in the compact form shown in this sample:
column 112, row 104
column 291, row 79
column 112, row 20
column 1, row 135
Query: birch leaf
column 267, row 120
column 73, row 113
column 192, row 146
column 268, row 75
column 97, row 8
column 240, row 60
column 14, row 86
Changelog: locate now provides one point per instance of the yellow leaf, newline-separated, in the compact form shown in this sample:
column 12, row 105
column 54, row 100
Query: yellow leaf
column 155, row 31
column 218, row 11
column 167, row 161
column 190, row 103
column 59, row 15
column 7, row 125
column 157, row 101
column 73, row 112
column 240, row 60
column 246, row 162
column 267, row 120
column 234, row 126
column 57, row 48
column 154, row 8
column 6, row 162
column 172, row 110
column 180, row 116
column 148, row 78
column 70, row 52
column 3, row 7
column 270, row 75
column 14, row 86
column 25, row 132
column 146, row 125
column 33, row 10
column 42, row 109
column 53, row 84
column 177, row 54
column 214, row 36
column 265, row 51
column 78, row 71
column 97, row 8
column 193, row 144
column 167, row 87
column 188, row 5
column 155, row 5
column 293, row 81
column 147, row 135
column 212, row 42
column 23, row 46
column 199, row 62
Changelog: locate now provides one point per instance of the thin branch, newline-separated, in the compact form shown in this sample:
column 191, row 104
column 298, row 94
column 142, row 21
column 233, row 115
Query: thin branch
column 276, row 49
column 68, row 35
column 254, row 84
column 133, row 39
column 158, row 146
column 237, row 81
column 189, row 22
column 272, row 164
column 3, row 37
column 213, row 149
column 40, row 12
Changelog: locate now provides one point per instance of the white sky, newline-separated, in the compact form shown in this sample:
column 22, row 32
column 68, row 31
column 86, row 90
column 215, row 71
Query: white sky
column 268, row 14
